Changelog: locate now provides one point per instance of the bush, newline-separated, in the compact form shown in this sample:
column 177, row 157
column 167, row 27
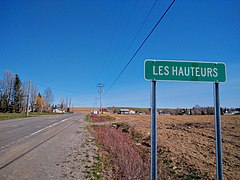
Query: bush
column 100, row 118
column 127, row 162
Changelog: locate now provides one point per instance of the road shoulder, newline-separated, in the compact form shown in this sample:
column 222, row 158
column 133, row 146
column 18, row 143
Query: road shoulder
column 65, row 156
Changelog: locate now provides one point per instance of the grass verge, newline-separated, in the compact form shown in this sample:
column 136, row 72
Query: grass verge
column 98, row 118
column 8, row 116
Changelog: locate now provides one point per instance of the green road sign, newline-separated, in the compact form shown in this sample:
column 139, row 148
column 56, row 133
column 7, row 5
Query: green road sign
column 164, row 70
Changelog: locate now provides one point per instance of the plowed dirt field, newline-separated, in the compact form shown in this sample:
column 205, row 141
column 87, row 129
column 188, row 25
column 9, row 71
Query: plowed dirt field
column 186, row 144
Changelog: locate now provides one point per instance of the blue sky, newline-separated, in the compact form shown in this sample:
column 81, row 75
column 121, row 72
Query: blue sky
column 73, row 45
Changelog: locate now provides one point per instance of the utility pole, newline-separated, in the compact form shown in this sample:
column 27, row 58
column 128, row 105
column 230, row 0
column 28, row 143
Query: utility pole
column 100, row 86
column 29, row 84
column 94, row 105
column 70, row 104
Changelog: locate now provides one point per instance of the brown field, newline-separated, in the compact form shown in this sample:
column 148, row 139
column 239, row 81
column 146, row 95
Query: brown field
column 187, row 143
column 84, row 110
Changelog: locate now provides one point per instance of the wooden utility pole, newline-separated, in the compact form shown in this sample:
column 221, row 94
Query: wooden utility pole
column 29, row 84
column 100, row 86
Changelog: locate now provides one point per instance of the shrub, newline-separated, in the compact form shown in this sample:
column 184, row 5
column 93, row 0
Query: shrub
column 100, row 118
column 127, row 162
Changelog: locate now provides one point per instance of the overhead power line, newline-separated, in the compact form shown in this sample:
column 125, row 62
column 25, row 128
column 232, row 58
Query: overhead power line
column 63, row 90
column 136, row 52
column 139, row 30
column 103, row 67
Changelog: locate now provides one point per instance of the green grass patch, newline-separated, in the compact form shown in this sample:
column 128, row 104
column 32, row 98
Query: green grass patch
column 93, row 171
column 87, row 118
column 41, row 113
column 8, row 116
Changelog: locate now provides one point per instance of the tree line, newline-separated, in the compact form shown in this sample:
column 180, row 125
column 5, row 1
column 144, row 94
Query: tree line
column 198, row 110
column 17, row 96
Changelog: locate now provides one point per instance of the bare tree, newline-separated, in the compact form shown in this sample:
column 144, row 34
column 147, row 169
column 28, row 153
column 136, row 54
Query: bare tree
column 33, row 96
column 27, row 89
column 7, row 88
column 48, row 98
column 24, row 94
column 66, row 104
column 62, row 104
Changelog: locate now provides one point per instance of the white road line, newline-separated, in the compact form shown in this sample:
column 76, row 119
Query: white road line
column 32, row 134
column 47, row 127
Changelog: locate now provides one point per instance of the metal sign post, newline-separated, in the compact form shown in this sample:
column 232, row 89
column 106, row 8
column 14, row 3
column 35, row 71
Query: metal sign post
column 153, row 131
column 218, row 135
column 168, row 70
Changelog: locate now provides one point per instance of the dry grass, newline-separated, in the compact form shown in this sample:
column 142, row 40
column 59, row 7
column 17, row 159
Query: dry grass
column 84, row 110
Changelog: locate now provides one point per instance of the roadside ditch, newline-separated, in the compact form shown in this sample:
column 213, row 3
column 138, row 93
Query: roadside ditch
column 124, row 153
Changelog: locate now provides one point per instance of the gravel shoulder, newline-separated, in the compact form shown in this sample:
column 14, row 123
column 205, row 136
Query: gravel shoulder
column 64, row 156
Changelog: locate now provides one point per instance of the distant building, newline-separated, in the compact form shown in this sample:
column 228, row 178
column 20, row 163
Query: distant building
column 124, row 111
column 105, row 110
column 141, row 113
column 58, row 111
column 95, row 112
column 231, row 112
column 132, row 112
column 235, row 112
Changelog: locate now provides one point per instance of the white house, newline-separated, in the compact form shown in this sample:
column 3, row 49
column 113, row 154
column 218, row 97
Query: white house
column 124, row 111
column 58, row 111
column 132, row 112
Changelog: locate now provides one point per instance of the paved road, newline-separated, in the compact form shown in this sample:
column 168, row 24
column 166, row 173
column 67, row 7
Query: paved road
column 45, row 147
column 15, row 130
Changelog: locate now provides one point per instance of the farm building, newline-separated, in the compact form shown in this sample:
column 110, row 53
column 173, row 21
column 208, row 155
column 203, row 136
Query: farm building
column 126, row 111
column 105, row 110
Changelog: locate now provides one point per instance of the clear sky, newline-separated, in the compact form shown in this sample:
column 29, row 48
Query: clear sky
column 72, row 45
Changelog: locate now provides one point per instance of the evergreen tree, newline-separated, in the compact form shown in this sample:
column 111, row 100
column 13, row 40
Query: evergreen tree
column 16, row 94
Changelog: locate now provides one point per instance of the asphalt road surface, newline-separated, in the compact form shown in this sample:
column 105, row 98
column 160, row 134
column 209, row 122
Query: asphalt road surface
column 46, row 147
